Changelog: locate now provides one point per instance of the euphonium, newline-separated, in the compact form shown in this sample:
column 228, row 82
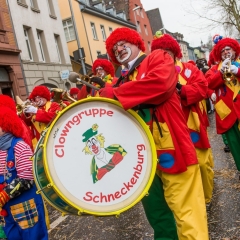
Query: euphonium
column 57, row 97
column 67, row 97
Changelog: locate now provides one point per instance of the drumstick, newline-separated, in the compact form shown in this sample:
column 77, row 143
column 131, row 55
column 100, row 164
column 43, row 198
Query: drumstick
column 74, row 77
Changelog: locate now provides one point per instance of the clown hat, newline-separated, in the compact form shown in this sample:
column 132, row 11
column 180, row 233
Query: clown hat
column 167, row 42
column 222, row 43
column 105, row 64
column 10, row 122
column 90, row 132
column 6, row 101
column 74, row 91
column 123, row 34
column 40, row 91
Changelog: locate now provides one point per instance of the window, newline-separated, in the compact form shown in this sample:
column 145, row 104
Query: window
column 28, row 44
column 149, row 46
column 51, row 9
column 94, row 31
column 145, row 28
column 141, row 13
column 103, row 32
column 98, row 53
column 21, row 1
column 69, row 30
column 110, row 29
column 138, row 26
column 59, row 49
column 42, row 57
column 34, row 4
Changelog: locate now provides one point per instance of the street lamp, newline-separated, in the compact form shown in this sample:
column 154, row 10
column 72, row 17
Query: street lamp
column 134, row 9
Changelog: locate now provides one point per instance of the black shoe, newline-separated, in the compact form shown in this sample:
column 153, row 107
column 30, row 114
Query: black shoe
column 227, row 149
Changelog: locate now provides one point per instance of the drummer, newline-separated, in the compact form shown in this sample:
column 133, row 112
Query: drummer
column 38, row 115
column 103, row 72
column 150, row 86
column 20, row 206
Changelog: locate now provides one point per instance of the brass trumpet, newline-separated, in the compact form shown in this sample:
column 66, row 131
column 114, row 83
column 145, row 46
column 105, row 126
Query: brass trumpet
column 20, row 106
column 67, row 97
column 227, row 75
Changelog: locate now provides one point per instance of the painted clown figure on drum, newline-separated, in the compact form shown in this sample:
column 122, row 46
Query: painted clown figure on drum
column 104, row 159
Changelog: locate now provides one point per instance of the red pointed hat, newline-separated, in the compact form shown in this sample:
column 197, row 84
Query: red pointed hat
column 167, row 42
column 10, row 122
column 74, row 91
column 40, row 91
column 105, row 64
column 123, row 34
column 6, row 101
column 222, row 43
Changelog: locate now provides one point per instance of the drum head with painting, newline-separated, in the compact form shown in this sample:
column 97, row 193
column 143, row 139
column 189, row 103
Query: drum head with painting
column 100, row 158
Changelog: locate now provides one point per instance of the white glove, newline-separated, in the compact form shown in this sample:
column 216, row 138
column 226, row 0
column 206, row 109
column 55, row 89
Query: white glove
column 234, row 69
column 30, row 109
column 225, row 64
column 214, row 97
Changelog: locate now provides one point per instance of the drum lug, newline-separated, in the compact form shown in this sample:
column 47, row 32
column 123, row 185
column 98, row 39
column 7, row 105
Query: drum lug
column 80, row 213
column 48, row 186
column 117, row 215
column 40, row 146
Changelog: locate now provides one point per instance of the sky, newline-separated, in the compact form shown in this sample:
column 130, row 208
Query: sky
column 176, row 19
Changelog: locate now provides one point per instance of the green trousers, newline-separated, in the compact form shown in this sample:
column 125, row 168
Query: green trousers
column 233, row 139
column 224, row 139
column 158, row 213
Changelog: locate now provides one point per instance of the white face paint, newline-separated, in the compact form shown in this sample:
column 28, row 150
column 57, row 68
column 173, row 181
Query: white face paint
column 39, row 101
column 124, row 55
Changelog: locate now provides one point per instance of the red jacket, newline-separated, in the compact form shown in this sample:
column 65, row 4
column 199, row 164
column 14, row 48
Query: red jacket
column 193, row 91
column 154, row 82
column 227, row 106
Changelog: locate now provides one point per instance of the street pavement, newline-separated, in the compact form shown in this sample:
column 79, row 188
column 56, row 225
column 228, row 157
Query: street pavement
column 223, row 215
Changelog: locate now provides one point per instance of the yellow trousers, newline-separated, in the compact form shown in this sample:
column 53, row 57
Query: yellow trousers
column 184, row 195
column 205, row 161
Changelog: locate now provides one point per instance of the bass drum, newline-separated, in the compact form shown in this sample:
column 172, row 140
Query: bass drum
column 95, row 158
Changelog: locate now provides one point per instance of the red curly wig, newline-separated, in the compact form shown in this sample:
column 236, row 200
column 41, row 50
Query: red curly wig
column 74, row 90
column 123, row 34
column 40, row 91
column 6, row 101
column 105, row 64
column 230, row 42
column 10, row 122
column 167, row 42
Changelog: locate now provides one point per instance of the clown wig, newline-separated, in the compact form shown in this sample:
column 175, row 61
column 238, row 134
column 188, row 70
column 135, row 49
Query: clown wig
column 40, row 91
column 230, row 42
column 105, row 64
column 123, row 34
column 74, row 91
column 167, row 42
column 10, row 122
column 6, row 101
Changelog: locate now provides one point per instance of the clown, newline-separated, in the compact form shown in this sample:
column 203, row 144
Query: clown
column 227, row 107
column 103, row 72
column 104, row 159
column 150, row 87
column 20, row 207
column 40, row 113
column 74, row 93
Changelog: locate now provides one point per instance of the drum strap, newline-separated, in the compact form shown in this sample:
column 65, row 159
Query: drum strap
column 136, row 64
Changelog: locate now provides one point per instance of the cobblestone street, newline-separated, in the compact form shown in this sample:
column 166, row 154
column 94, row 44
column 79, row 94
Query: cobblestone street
column 223, row 217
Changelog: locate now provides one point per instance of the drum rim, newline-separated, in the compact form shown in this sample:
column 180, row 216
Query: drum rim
column 151, row 143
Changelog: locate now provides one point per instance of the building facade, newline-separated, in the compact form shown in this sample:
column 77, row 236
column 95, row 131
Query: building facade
column 11, row 76
column 136, row 14
column 87, row 24
column 40, row 37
